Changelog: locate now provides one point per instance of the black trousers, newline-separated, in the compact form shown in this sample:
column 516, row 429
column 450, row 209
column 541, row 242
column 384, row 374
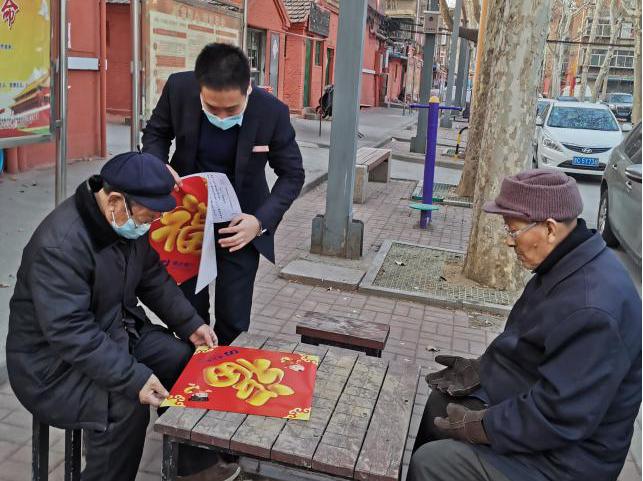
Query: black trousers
column 236, row 272
column 116, row 453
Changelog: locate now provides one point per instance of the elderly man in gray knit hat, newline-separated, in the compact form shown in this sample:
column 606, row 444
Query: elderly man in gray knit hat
column 554, row 397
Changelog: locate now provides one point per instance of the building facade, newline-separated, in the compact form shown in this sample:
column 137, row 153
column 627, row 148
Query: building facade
column 621, row 73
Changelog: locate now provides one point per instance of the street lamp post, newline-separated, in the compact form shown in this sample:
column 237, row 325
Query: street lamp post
column 445, row 120
column 61, row 124
column 135, row 21
column 418, row 143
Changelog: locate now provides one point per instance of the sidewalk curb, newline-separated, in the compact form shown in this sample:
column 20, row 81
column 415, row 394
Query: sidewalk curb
column 308, row 186
column 367, row 286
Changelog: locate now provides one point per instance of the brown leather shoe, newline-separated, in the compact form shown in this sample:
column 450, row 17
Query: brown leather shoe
column 220, row 471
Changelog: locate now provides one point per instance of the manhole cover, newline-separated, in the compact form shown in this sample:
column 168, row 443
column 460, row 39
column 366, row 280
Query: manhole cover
column 421, row 270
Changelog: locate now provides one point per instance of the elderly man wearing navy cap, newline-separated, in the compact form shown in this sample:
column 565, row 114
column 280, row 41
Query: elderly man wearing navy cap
column 81, row 353
column 555, row 395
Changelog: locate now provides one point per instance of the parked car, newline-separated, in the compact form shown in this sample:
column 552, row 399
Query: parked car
column 542, row 107
column 619, row 211
column 620, row 104
column 577, row 137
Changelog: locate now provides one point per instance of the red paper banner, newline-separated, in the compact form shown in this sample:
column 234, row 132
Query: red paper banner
column 178, row 235
column 248, row 381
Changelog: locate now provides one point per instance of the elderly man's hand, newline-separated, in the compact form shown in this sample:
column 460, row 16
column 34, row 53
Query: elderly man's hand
column 153, row 392
column 204, row 336
column 463, row 424
column 459, row 379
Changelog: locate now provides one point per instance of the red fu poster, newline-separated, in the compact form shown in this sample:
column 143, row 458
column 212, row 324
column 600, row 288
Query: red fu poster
column 178, row 235
column 248, row 381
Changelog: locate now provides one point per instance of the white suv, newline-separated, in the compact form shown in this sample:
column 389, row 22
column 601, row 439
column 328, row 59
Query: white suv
column 577, row 137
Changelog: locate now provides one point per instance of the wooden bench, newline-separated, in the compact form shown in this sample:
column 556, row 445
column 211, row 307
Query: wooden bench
column 364, row 419
column 371, row 165
column 368, row 337
column 40, row 452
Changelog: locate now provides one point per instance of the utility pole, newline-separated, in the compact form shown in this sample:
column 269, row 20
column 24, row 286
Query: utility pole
column 61, row 140
column 336, row 233
column 445, row 119
column 463, row 74
column 431, row 22
column 135, row 21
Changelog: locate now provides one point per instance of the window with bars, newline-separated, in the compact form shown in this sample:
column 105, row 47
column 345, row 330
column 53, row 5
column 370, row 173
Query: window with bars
column 603, row 28
column 620, row 59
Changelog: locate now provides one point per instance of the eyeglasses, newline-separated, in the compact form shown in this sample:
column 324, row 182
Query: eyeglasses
column 514, row 234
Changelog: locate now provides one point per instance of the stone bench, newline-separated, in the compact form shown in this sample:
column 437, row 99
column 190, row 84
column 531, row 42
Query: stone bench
column 371, row 165
column 365, row 336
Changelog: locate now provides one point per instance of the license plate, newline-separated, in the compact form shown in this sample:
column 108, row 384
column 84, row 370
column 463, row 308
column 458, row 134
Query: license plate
column 589, row 161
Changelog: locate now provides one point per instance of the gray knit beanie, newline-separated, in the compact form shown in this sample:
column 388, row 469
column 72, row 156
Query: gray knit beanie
column 537, row 195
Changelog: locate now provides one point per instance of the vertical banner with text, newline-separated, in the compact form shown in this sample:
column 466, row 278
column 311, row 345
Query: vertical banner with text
column 25, row 73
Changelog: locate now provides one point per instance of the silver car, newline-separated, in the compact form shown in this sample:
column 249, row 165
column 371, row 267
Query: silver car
column 619, row 211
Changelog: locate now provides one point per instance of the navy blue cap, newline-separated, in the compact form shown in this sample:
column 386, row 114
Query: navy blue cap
column 143, row 177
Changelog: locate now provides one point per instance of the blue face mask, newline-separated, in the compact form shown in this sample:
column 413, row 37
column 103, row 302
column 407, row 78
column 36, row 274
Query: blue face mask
column 129, row 229
column 227, row 122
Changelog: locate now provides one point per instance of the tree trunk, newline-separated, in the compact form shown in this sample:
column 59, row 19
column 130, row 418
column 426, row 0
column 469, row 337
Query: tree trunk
column 476, row 10
column 588, row 50
column 615, row 26
column 515, row 40
column 563, row 33
column 477, row 114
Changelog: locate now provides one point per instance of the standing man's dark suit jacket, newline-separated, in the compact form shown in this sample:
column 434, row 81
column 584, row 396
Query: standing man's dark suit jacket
column 266, row 122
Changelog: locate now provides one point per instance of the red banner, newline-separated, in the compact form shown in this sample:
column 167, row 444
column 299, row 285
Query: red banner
column 178, row 235
column 248, row 381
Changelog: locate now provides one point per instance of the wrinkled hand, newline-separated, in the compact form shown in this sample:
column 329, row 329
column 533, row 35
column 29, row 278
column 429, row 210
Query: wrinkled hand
column 459, row 379
column 153, row 392
column 204, row 336
column 463, row 424
column 177, row 177
column 244, row 228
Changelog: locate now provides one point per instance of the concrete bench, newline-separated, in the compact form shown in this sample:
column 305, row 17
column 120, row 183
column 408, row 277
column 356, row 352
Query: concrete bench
column 371, row 165
column 365, row 336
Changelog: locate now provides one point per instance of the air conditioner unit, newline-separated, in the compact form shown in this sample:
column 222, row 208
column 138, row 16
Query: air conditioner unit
column 431, row 21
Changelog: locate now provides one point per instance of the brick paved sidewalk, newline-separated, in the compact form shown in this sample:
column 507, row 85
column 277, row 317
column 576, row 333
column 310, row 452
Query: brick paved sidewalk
column 278, row 304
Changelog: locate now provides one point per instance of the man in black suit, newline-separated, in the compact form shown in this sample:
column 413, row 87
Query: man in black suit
column 223, row 124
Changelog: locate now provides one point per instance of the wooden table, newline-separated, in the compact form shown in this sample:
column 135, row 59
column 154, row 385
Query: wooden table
column 364, row 419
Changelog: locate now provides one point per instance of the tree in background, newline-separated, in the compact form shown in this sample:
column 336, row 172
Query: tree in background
column 616, row 20
column 632, row 10
column 588, row 50
column 562, row 33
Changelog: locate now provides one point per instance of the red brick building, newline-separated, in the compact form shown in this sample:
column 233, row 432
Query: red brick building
column 291, row 46
column 86, row 93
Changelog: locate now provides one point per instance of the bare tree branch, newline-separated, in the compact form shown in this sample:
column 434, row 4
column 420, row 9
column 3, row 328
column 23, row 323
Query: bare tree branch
column 477, row 8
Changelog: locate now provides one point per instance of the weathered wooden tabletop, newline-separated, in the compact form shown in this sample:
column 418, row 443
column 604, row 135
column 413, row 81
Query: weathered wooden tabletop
column 365, row 415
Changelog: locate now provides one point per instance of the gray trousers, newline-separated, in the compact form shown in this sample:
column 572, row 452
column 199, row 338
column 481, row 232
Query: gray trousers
column 450, row 460
column 437, row 458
